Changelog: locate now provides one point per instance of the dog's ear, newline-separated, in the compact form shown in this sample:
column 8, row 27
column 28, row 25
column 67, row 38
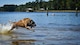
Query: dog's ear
column 32, row 22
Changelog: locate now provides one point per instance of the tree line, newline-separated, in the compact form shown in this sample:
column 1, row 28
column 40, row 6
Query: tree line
column 50, row 5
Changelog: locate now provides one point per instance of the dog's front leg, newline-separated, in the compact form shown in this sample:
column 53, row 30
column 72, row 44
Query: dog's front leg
column 27, row 27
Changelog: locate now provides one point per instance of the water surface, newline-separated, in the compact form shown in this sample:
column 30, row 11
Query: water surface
column 58, row 28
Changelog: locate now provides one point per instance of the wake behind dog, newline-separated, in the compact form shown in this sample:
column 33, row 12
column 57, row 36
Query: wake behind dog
column 4, row 28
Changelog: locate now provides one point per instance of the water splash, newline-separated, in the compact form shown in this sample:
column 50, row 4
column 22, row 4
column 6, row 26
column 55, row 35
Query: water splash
column 4, row 28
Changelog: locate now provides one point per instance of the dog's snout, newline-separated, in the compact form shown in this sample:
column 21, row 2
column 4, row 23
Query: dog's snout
column 35, row 25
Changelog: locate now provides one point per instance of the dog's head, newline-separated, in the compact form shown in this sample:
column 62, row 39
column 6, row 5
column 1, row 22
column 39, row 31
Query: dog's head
column 32, row 24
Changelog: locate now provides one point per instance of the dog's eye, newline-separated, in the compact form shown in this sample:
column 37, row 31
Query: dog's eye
column 31, row 21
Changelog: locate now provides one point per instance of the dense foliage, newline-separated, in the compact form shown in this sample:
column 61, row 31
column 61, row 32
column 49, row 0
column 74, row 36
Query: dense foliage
column 38, row 4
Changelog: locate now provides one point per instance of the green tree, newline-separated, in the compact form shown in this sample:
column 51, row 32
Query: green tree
column 9, row 7
column 20, row 8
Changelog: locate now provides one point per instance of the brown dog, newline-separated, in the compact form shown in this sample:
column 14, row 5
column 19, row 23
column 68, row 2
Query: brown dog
column 26, row 23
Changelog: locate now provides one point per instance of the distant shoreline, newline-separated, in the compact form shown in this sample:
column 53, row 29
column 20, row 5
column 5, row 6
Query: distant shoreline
column 59, row 11
column 47, row 11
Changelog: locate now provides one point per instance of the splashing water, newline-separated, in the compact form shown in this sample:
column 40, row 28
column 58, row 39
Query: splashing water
column 4, row 28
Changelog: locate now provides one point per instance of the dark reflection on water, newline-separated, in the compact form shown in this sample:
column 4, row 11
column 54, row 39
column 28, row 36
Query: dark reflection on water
column 58, row 29
column 23, row 42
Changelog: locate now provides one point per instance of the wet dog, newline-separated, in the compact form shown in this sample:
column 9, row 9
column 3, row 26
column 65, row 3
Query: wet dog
column 25, row 23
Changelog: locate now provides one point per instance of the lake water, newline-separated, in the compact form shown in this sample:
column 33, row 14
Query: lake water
column 58, row 28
